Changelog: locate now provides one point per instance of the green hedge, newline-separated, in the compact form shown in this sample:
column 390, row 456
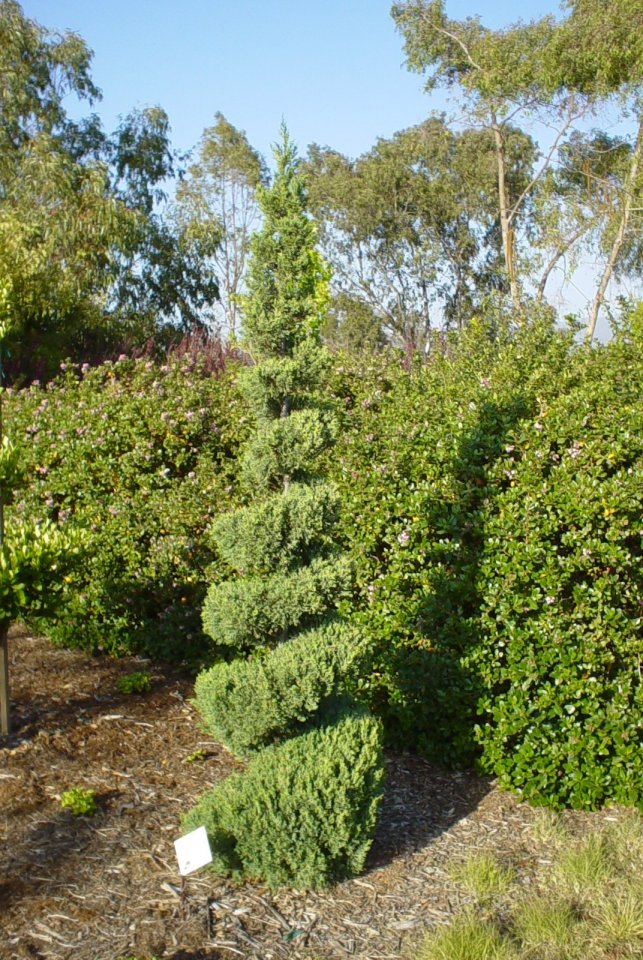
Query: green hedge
column 497, row 543
column 414, row 468
column 141, row 456
column 560, row 584
column 247, row 704
column 302, row 813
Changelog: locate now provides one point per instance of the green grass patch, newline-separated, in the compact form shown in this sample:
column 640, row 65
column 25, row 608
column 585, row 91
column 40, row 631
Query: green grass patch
column 483, row 876
column 468, row 938
column 584, row 900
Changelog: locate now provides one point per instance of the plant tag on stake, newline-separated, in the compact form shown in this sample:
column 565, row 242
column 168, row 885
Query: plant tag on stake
column 193, row 851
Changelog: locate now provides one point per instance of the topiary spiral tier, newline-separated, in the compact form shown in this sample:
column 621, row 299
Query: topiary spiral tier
column 303, row 811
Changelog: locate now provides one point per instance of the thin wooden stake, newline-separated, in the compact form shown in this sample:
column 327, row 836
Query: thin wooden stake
column 5, row 716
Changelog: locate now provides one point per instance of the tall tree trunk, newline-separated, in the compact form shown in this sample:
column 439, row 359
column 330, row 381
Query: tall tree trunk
column 628, row 197
column 508, row 247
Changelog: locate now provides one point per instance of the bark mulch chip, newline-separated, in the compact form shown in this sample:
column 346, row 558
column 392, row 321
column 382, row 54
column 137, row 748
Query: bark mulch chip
column 107, row 887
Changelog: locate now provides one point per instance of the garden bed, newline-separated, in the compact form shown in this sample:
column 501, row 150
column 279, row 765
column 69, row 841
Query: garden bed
column 107, row 886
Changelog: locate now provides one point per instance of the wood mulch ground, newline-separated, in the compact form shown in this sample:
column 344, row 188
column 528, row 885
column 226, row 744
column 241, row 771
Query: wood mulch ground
column 107, row 887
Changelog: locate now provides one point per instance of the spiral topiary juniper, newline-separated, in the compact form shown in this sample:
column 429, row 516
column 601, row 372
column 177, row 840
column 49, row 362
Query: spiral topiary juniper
column 303, row 811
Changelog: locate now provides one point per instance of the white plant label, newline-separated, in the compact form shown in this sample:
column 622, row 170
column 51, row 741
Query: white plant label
column 193, row 851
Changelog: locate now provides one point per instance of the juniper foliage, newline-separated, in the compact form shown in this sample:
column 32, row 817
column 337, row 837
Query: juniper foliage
column 303, row 811
column 248, row 704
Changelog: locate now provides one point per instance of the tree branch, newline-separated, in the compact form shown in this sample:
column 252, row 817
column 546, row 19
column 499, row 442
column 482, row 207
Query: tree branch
column 539, row 174
column 628, row 195
column 455, row 38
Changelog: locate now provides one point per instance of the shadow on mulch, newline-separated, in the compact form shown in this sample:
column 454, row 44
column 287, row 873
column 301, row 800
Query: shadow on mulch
column 47, row 711
column 420, row 803
column 29, row 718
column 55, row 840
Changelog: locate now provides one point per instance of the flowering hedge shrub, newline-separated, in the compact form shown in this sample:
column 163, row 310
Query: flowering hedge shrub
column 561, row 603
column 141, row 456
column 414, row 470
column 497, row 539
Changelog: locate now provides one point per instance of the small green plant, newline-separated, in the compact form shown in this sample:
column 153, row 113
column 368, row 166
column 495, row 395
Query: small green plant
column 134, row 683
column 483, row 876
column 132, row 956
column 193, row 757
column 81, row 803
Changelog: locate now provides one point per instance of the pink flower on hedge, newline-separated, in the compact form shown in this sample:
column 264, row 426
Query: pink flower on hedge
column 574, row 450
column 403, row 538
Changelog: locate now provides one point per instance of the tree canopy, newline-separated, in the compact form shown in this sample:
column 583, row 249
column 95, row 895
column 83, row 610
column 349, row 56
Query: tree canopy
column 91, row 261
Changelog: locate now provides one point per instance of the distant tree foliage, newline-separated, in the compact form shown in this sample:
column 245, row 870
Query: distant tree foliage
column 92, row 264
column 410, row 227
column 555, row 73
column 217, row 209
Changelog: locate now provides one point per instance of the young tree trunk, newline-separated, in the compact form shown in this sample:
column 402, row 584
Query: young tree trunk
column 5, row 717
column 628, row 197
column 508, row 247
column 5, row 721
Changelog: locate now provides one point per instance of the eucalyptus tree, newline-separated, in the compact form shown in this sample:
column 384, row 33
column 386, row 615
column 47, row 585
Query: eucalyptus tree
column 216, row 207
column 578, row 203
column 503, row 77
column 599, row 53
column 90, row 258
column 555, row 73
column 409, row 226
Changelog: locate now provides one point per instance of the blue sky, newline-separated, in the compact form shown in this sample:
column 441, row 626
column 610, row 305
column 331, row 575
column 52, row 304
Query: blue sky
column 334, row 71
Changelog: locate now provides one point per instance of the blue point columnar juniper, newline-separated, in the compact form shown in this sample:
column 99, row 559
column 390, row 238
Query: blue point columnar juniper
column 303, row 810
